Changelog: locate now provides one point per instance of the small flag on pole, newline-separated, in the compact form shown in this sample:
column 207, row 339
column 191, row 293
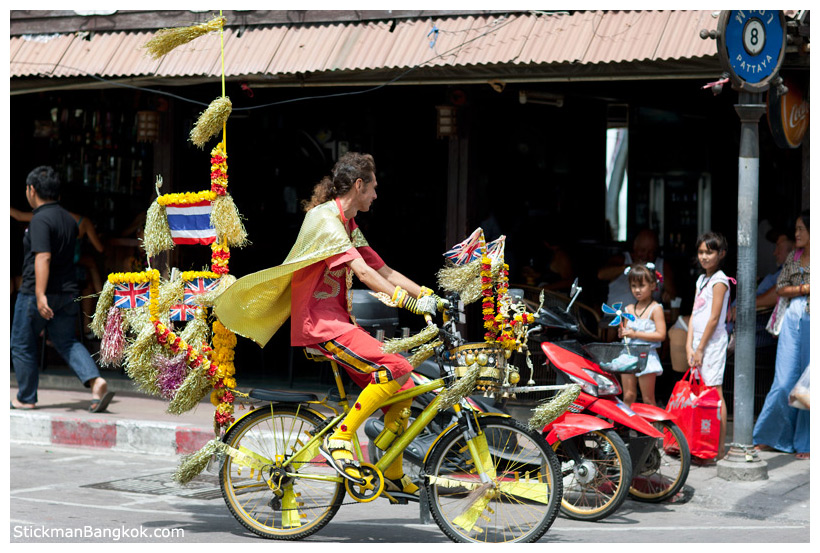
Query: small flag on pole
column 495, row 249
column 182, row 312
column 129, row 295
column 197, row 287
column 191, row 223
column 468, row 250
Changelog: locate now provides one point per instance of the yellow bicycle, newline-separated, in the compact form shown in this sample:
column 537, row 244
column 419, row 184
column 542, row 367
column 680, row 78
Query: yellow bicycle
column 487, row 477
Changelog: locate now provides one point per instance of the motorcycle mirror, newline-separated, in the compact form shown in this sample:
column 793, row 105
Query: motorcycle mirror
column 574, row 292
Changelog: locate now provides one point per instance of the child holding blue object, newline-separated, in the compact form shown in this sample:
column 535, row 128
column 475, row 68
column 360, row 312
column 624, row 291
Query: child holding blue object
column 648, row 327
column 708, row 341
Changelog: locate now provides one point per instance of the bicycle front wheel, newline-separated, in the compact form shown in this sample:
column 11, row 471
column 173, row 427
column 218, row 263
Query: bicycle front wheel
column 518, row 503
column 267, row 502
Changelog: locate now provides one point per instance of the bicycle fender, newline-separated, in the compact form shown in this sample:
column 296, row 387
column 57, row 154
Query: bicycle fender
column 570, row 425
column 652, row 413
column 453, row 427
column 302, row 408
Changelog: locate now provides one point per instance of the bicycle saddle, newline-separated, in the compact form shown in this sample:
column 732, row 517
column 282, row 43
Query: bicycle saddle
column 281, row 396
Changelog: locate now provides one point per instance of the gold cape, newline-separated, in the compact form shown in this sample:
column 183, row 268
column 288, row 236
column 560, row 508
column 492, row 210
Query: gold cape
column 257, row 305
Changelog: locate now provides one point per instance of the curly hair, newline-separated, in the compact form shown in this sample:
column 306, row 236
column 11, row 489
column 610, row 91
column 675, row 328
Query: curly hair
column 350, row 167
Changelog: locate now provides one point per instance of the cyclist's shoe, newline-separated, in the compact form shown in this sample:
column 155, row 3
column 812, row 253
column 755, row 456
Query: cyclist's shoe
column 339, row 455
column 401, row 485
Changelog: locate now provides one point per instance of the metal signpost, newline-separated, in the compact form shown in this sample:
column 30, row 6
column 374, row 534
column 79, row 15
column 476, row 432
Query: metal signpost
column 751, row 45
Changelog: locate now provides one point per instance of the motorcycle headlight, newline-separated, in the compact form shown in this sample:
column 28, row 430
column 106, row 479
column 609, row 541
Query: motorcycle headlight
column 606, row 386
column 585, row 386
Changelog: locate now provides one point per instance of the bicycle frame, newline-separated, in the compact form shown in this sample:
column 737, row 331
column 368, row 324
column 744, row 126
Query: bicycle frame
column 399, row 444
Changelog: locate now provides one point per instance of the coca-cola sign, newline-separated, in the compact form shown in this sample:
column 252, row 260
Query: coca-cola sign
column 788, row 114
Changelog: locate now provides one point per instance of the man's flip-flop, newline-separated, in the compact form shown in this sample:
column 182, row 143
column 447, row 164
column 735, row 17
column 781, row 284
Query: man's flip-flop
column 99, row 405
column 22, row 407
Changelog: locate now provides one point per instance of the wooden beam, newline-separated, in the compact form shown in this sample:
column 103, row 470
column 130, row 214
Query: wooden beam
column 66, row 21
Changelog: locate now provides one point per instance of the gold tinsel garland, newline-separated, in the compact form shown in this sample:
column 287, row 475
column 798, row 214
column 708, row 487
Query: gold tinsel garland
column 396, row 345
column 227, row 221
column 552, row 409
column 166, row 40
column 211, row 121
column 157, row 236
column 463, row 387
column 104, row 303
column 423, row 353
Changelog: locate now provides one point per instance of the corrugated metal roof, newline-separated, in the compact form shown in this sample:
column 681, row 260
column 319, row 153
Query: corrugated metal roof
column 599, row 37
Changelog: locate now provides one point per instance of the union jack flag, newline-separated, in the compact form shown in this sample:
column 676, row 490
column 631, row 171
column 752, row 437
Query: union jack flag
column 495, row 249
column 468, row 250
column 198, row 286
column 128, row 295
column 182, row 312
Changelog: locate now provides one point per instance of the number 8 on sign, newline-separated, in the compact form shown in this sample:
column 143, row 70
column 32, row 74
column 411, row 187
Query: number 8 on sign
column 754, row 36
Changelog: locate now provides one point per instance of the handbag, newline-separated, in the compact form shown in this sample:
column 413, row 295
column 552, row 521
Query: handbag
column 697, row 408
column 776, row 320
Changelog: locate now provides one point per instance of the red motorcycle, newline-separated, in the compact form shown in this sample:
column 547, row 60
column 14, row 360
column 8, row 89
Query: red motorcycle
column 638, row 451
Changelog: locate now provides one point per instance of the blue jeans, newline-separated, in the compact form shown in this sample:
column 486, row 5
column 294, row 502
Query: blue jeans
column 779, row 425
column 26, row 328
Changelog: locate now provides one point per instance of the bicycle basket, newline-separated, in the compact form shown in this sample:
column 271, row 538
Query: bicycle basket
column 618, row 357
column 491, row 358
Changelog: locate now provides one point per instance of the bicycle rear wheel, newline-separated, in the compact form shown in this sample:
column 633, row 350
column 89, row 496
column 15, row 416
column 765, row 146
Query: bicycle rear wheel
column 271, row 435
column 520, row 502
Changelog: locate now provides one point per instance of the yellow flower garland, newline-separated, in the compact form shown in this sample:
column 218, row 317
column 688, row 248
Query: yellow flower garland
column 186, row 197
column 189, row 276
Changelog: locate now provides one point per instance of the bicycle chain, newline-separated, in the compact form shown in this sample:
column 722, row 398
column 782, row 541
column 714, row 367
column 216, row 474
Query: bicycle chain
column 421, row 475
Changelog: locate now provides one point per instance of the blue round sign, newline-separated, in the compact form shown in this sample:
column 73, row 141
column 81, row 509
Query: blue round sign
column 752, row 44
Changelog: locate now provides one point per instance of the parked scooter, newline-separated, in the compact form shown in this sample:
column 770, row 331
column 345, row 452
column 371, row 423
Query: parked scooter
column 594, row 463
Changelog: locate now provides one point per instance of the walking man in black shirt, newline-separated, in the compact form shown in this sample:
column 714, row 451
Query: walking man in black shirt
column 46, row 299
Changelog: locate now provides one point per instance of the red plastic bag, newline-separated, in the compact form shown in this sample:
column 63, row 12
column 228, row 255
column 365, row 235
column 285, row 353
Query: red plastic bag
column 698, row 410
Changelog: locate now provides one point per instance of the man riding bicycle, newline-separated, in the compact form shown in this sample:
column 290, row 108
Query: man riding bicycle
column 314, row 287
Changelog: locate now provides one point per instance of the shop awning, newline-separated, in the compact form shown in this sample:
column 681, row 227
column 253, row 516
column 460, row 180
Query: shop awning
column 521, row 46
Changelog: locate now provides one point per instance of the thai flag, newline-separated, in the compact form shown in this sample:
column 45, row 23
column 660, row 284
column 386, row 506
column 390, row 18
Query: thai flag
column 128, row 295
column 191, row 223
column 182, row 312
column 468, row 250
column 199, row 286
column 495, row 249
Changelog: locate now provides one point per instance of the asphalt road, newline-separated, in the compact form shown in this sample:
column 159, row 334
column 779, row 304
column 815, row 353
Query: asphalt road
column 61, row 494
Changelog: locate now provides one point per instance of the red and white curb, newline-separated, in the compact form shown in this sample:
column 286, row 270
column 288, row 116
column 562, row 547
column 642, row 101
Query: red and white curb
column 150, row 437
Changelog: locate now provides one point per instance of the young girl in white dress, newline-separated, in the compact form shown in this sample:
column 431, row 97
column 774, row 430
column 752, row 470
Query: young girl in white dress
column 707, row 340
column 649, row 327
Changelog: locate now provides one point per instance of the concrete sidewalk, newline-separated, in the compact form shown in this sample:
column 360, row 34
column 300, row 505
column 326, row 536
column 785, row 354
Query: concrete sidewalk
column 139, row 423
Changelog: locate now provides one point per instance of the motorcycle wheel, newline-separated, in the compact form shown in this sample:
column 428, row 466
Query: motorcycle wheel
column 598, row 486
column 666, row 468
